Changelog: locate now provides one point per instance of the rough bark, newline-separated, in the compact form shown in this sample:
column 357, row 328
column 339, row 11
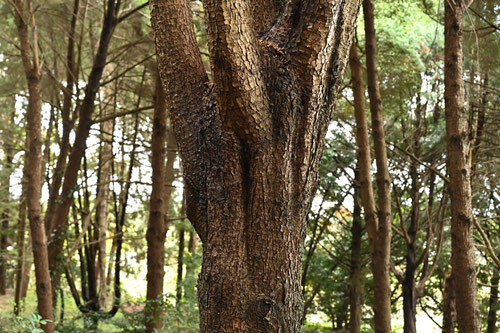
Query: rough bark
column 250, row 144
column 378, row 224
column 458, row 145
column 31, row 63
column 58, row 224
column 155, row 235
column 493, row 303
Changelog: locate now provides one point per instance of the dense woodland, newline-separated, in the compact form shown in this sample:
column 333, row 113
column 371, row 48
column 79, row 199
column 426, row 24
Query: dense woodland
column 249, row 166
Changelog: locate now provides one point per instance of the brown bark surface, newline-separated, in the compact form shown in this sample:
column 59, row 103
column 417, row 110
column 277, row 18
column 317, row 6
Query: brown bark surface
column 155, row 235
column 25, row 20
column 458, row 145
column 378, row 223
column 250, row 144
column 382, row 250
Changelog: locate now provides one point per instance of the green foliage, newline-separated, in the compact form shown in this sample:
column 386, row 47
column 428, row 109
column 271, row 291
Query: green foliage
column 20, row 324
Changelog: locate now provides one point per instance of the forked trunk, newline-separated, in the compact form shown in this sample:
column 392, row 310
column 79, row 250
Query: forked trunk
column 251, row 143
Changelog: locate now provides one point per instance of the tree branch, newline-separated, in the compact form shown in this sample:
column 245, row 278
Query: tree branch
column 236, row 66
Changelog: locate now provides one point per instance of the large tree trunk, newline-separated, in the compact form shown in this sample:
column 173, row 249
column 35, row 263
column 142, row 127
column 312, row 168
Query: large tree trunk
column 156, row 223
column 33, row 165
column 250, row 144
column 462, row 243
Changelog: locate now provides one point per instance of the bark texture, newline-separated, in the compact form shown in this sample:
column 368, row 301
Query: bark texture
column 458, row 145
column 250, row 144
column 155, row 235
column 25, row 20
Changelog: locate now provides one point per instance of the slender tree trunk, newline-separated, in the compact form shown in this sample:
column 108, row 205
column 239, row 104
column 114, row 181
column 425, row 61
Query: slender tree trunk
column 58, row 224
column 102, row 210
column 410, row 295
column 493, row 303
column 6, row 213
column 462, row 242
column 21, row 276
column 33, row 72
column 156, row 224
column 21, row 229
column 180, row 267
column 378, row 224
column 250, row 144
column 355, row 279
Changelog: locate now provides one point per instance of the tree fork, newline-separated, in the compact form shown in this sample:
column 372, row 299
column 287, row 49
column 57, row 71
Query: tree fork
column 251, row 143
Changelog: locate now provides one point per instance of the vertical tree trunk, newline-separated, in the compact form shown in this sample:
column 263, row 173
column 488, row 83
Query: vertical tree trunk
column 6, row 212
column 21, row 276
column 251, row 143
column 410, row 294
column 102, row 209
column 180, row 267
column 33, row 72
column 21, row 229
column 156, row 224
column 355, row 279
column 493, row 303
column 458, row 145
column 377, row 225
